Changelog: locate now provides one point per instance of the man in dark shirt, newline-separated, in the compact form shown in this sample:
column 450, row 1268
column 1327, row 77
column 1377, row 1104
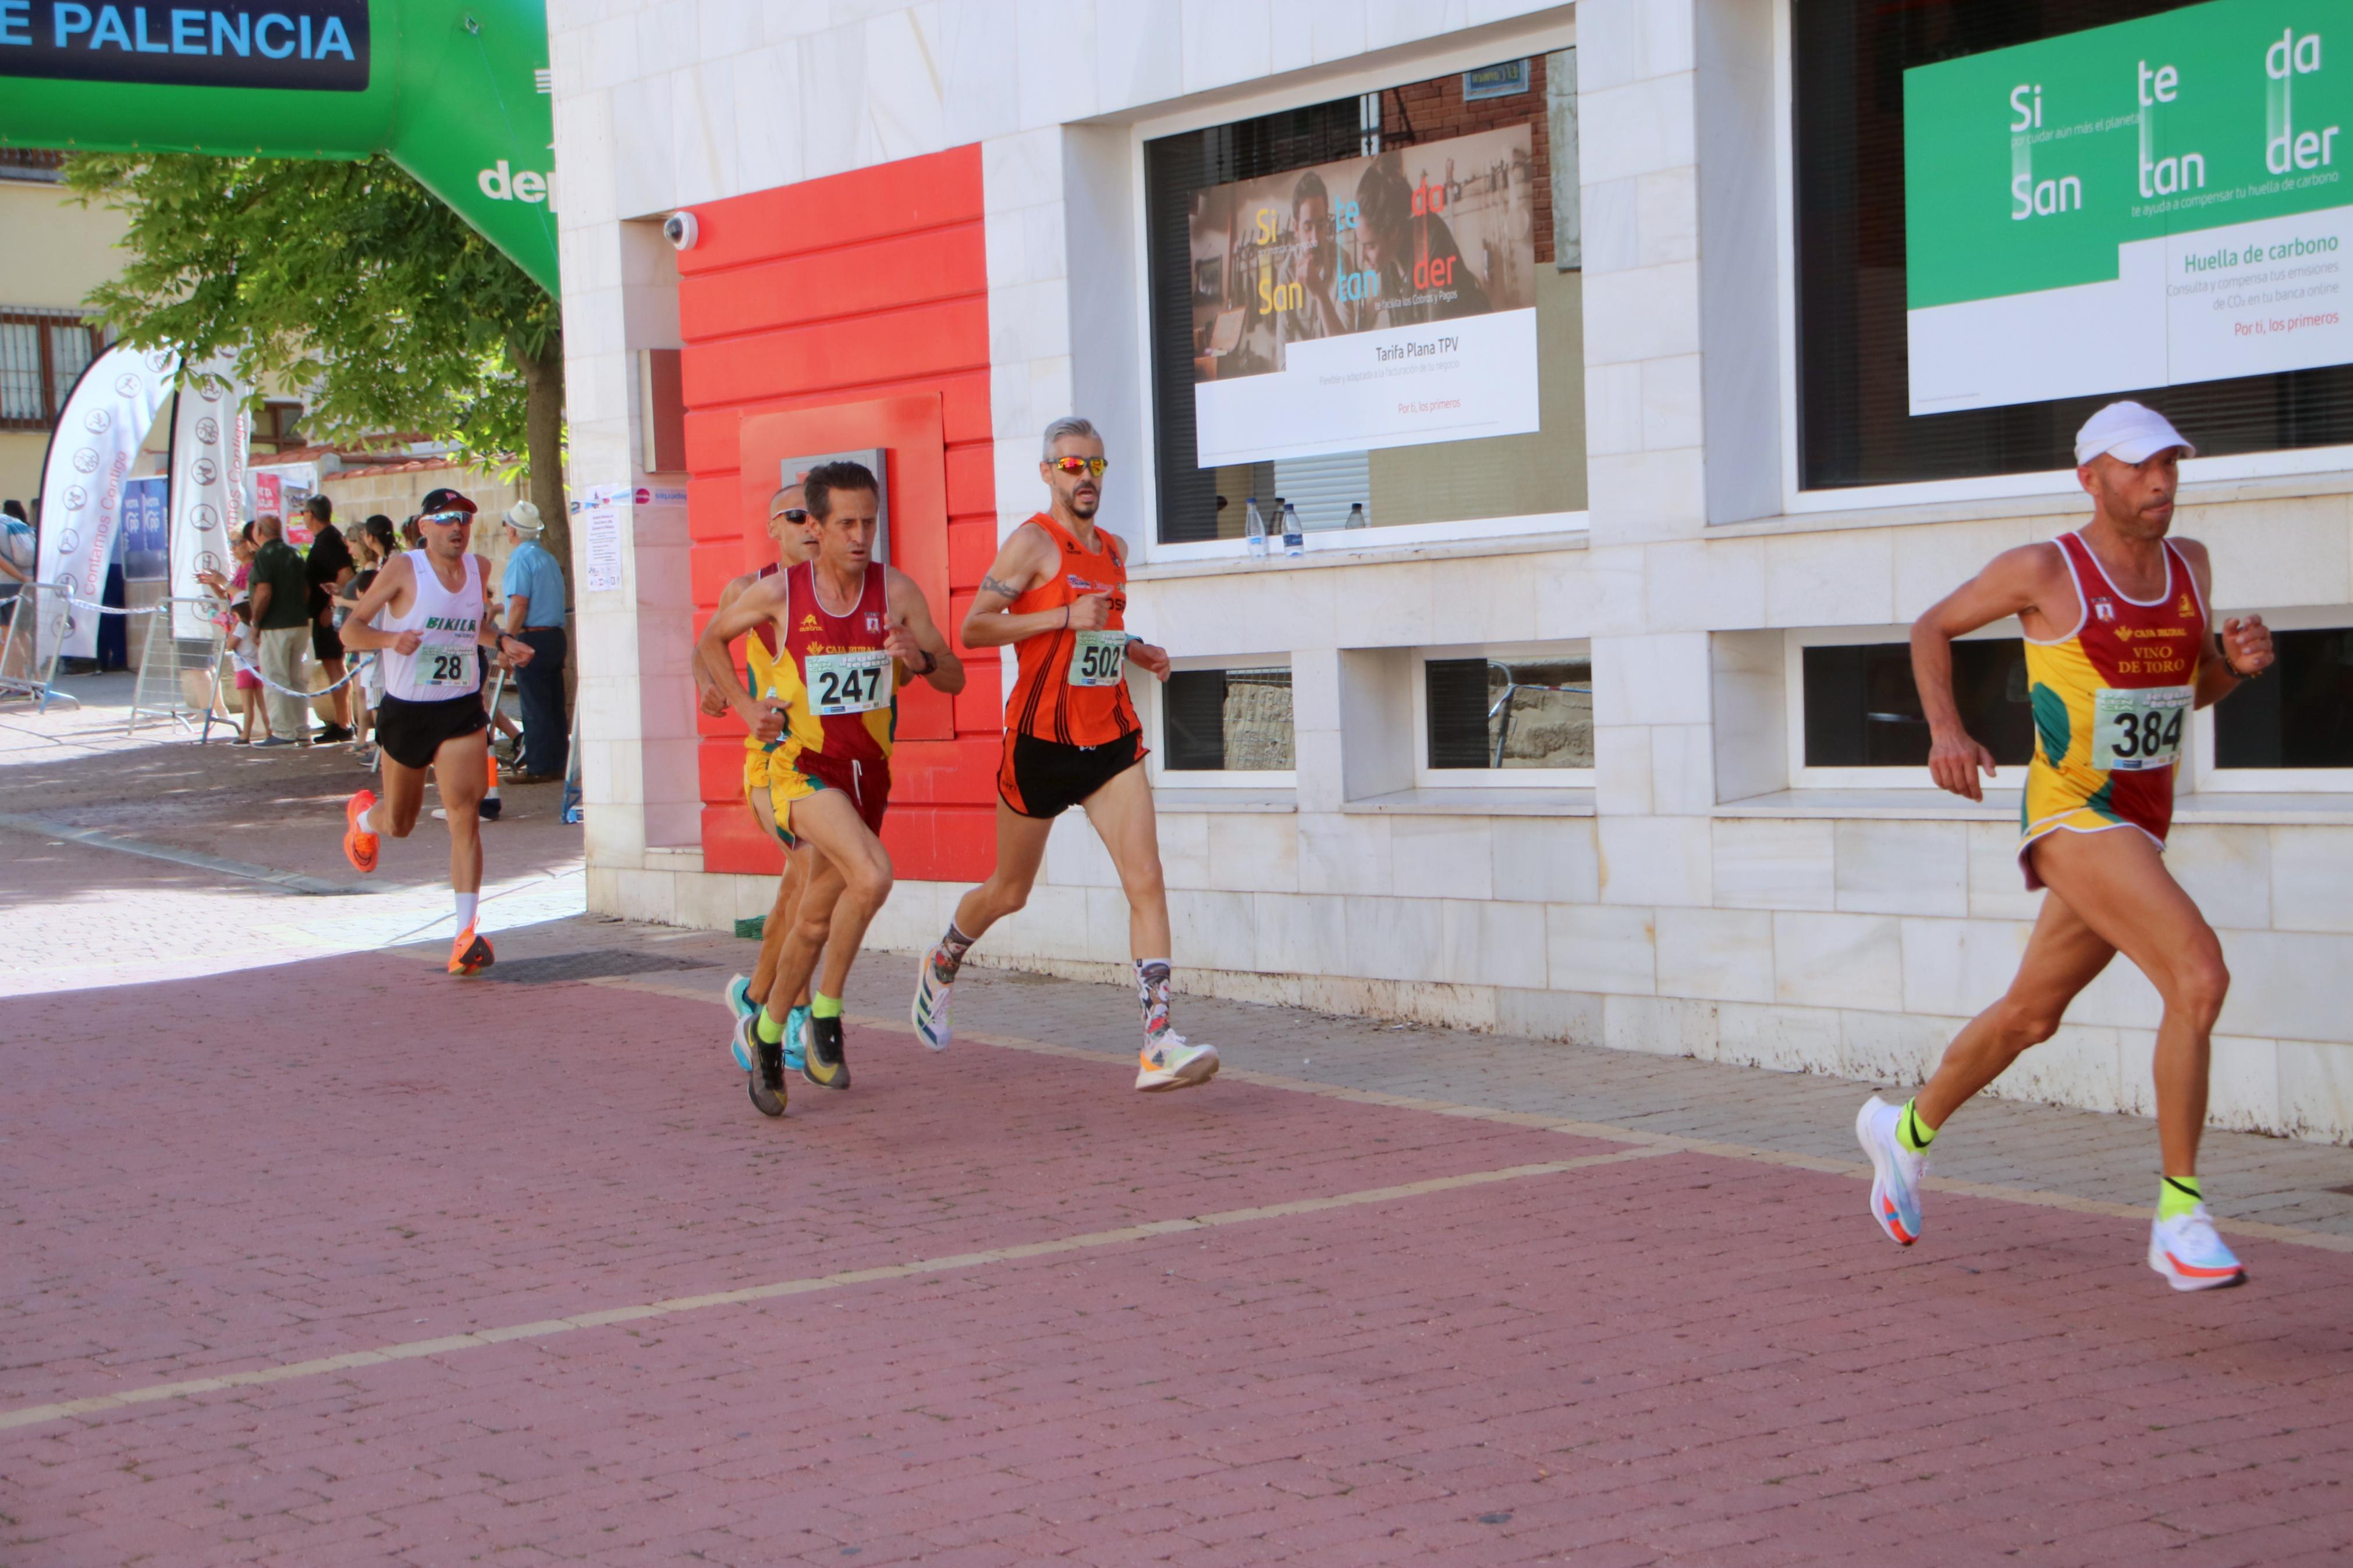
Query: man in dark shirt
column 281, row 623
column 328, row 568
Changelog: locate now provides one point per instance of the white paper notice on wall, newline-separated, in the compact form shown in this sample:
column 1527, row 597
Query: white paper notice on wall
column 603, row 514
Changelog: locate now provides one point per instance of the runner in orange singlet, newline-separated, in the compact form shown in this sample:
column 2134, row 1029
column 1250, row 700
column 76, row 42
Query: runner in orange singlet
column 788, row 531
column 2119, row 649
column 848, row 630
column 1058, row 592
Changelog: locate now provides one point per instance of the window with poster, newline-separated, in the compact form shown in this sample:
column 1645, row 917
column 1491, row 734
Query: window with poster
column 2011, row 212
column 1372, row 309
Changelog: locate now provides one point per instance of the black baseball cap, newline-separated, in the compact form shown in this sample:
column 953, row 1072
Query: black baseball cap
column 441, row 502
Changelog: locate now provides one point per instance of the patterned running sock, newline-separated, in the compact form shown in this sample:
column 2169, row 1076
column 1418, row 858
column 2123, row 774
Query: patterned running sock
column 949, row 957
column 1152, row 993
column 1913, row 1134
column 824, row 1006
column 2178, row 1195
column 771, row 1027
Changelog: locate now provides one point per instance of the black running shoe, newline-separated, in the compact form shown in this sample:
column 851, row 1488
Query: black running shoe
column 825, row 1063
column 769, row 1077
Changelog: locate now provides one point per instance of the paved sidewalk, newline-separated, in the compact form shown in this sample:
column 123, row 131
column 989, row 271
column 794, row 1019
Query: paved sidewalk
column 342, row 1260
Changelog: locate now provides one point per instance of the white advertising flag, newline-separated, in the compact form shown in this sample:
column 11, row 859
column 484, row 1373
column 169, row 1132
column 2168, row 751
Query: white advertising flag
column 97, row 439
column 211, row 433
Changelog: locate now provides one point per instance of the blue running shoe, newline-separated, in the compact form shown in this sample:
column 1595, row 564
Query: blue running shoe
column 739, row 996
column 1896, row 1172
column 797, row 1023
column 2186, row 1250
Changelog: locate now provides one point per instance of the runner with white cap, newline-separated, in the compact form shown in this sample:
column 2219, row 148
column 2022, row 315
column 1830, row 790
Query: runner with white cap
column 2119, row 652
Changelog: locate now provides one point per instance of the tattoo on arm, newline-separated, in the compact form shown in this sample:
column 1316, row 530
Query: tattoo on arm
column 993, row 585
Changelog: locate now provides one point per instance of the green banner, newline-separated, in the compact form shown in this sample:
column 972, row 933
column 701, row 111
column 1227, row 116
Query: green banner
column 2143, row 205
column 455, row 90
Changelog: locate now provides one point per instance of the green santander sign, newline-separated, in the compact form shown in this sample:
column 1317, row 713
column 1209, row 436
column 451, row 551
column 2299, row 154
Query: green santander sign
column 456, row 92
column 2139, row 205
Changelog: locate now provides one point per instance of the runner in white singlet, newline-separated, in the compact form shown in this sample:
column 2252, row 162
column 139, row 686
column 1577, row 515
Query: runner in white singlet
column 427, row 617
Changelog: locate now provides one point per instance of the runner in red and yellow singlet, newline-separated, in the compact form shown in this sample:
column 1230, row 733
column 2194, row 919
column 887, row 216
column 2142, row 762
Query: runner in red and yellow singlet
column 788, row 533
column 848, row 630
column 2117, row 654
column 1058, row 592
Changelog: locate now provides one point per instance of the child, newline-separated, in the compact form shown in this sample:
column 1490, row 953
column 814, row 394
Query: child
column 247, row 648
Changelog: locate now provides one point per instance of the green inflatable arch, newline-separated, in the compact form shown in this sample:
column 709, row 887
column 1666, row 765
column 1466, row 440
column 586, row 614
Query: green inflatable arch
column 457, row 91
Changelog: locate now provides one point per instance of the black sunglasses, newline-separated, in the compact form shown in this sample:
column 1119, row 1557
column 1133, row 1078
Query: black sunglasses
column 793, row 514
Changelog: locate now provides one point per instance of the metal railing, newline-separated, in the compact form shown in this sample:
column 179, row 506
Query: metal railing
column 179, row 677
column 25, row 671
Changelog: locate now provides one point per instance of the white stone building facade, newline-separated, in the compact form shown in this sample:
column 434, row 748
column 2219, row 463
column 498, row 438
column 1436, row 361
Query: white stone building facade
column 1705, row 889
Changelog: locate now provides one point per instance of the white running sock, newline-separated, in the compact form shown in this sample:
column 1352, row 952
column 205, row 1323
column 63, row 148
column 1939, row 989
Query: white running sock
column 367, row 817
column 465, row 906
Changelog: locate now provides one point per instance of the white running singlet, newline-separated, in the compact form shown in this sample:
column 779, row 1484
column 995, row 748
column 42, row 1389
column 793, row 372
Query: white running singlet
column 446, row 663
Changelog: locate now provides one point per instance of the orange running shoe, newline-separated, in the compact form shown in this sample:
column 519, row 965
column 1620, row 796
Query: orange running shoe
column 470, row 953
column 359, row 847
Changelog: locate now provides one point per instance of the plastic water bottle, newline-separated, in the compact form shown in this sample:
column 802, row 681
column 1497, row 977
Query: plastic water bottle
column 1295, row 542
column 1356, row 517
column 1254, row 528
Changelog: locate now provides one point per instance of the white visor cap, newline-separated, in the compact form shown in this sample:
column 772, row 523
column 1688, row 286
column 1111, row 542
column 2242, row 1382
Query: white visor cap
column 2129, row 432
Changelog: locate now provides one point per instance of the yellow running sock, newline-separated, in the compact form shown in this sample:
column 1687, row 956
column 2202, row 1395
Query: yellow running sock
column 2176, row 1195
column 824, row 1006
column 772, row 1030
column 1911, row 1134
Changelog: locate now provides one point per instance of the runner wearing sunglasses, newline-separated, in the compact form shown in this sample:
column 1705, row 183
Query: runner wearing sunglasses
column 848, row 632
column 789, row 533
column 425, row 617
column 1058, row 592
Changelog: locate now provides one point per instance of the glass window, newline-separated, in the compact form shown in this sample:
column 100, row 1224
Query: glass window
column 42, row 353
column 1496, row 712
column 70, row 351
column 1336, row 287
column 2300, row 714
column 1855, row 331
column 1863, row 709
column 1221, row 721
column 20, row 373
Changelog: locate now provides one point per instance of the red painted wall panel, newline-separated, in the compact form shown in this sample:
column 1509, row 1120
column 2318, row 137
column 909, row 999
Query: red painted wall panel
column 845, row 312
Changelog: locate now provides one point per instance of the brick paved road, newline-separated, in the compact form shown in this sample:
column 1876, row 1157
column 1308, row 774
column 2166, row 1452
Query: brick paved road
column 338, row 1260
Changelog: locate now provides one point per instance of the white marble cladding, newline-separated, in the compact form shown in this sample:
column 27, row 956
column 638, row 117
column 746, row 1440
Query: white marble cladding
column 1669, row 918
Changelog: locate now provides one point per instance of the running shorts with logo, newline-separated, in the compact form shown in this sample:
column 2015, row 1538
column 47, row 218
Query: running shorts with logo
column 1070, row 724
column 2112, row 701
column 840, row 692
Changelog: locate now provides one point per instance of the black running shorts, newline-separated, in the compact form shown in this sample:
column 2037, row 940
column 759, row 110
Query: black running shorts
column 1046, row 778
column 411, row 732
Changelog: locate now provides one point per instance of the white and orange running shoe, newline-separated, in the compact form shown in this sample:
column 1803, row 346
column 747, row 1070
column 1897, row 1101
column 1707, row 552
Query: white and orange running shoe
column 2186, row 1250
column 359, row 844
column 470, row 955
column 1895, row 1171
column 1169, row 1060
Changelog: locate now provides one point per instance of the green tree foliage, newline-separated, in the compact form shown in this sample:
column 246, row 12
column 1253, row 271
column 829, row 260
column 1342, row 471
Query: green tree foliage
column 349, row 279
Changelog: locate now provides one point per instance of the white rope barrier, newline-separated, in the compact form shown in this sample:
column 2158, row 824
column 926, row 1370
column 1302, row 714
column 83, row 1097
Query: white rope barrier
column 246, row 667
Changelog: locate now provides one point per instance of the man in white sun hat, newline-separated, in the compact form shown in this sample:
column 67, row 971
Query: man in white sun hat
column 2120, row 649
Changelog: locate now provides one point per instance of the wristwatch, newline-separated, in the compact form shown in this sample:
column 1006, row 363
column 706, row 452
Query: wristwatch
column 931, row 662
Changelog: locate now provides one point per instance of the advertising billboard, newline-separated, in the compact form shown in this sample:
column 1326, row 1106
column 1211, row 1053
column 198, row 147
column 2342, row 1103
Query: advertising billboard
column 1385, row 301
column 2147, row 205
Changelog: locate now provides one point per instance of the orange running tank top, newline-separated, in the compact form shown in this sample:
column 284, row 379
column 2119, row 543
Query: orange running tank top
column 1072, row 686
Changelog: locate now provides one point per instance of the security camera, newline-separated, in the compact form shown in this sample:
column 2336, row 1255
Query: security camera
column 681, row 230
